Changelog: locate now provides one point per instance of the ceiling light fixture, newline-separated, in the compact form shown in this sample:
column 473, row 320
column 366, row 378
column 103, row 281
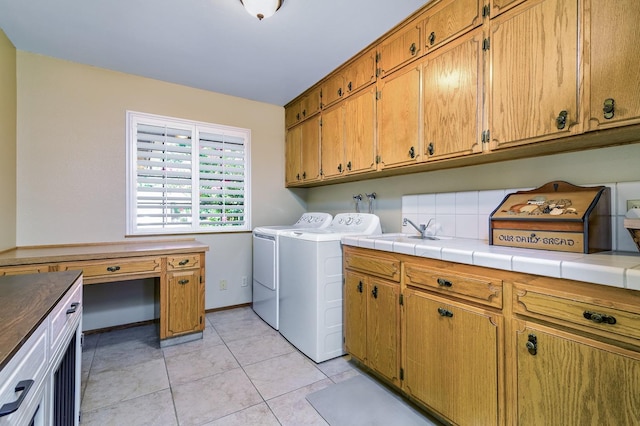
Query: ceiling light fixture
column 262, row 8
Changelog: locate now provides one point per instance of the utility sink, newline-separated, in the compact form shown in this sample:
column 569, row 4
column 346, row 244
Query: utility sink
column 407, row 238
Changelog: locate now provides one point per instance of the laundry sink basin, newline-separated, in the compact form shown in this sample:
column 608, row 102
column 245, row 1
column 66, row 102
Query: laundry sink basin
column 407, row 238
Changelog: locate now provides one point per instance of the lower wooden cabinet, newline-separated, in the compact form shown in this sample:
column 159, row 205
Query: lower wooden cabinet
column 451, row 355
column 372, row 322
column 184, row 303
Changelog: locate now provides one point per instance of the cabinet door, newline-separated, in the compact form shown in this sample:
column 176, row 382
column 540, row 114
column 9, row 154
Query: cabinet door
column 382, row 328
column 569, row 380
column 355, row 314
column 361, row 72
column 534, row 60
column 615, row 63
column 450, row 355
column 332, row 90
column 449, row 19
column 310, row 147
column 293, row 156
column 292, row 114
column 400, row 48
column 332, row 146
column 399, row 118
column 452, row 99
column 310, row 104
column 184, row 302
column 360, row 131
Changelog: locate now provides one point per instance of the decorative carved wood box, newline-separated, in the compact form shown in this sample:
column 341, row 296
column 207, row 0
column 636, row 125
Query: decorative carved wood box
column 557, row 216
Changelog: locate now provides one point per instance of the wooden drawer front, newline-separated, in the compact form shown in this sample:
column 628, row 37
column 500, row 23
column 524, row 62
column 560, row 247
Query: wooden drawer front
column 600, row 318
column 66, row 315
column 474, row 288
column 450, row 19
column 29, row 363
column 185, row 261
column 115, row 267
column 25, row 269
column 384, row 267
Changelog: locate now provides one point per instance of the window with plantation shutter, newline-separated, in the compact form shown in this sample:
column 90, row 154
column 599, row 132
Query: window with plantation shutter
column 186, row 176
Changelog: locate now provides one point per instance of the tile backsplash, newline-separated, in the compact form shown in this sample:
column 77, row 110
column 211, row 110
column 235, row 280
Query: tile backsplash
column 466, row 214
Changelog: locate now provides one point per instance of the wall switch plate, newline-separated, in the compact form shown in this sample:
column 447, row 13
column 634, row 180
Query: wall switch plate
column 223, row 284
column 245, row 282
column 633, row 204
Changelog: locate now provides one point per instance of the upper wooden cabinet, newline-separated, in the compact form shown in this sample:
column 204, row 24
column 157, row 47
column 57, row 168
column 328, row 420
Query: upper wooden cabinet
column 361, row 72
column 449, row 19
column 399, row 48
column 333, row 89
column 533, row 92
column 399, row 117
column 302, row 152
column 614, row 41
column 452, row 101
column 302, row 108
column 360, row 131
column 332, row 146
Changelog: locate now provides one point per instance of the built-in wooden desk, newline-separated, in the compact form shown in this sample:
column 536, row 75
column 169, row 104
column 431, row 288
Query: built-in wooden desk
column 178, row 265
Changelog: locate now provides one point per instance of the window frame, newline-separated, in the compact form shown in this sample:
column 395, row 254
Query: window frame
column 133, row 118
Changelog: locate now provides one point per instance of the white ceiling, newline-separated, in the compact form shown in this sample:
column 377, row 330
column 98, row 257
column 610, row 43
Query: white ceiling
column 208, row 44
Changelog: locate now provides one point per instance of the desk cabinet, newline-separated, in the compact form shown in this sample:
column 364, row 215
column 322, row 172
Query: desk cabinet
column 184, row 296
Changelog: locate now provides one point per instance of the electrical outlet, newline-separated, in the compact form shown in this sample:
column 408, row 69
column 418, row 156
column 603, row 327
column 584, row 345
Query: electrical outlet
column 245, row 282
column 223, row 284
column 633, row 204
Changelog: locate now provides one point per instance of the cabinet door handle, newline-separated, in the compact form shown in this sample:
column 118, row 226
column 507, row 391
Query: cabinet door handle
column 445, row 312
column 349, row 166
column 113, row 268
column 360, row 287
column 298, row 176
column 374, row 292
column 430, row 148
column 444, row 283
column 609, row 108
column 532, row 344
column 432, row 38
column 349, row 86
column 412, row 152
column 340, row 91
column 73, row 308
column 599, row 318
column 183, row 282
column 183, row 262
column 304, row 175
column 412, row 49
column 561, row 120
column 11, row 407
column 340, row 167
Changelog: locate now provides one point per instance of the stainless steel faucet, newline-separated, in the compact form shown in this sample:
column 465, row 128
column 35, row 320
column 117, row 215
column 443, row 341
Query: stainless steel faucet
column 357, row 199
column 371, row 197
column 422, row 229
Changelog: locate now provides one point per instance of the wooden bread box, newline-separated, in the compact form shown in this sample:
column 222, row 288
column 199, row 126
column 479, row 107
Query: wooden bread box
column 556, row 216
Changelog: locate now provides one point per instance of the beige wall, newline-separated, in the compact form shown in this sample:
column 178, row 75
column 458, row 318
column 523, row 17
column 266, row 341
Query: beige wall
column 71, row 164
column 608, row 165
column 7, row 143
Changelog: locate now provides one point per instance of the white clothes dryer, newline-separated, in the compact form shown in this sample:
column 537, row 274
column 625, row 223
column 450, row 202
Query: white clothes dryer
column 311, row 284
column 265, row 263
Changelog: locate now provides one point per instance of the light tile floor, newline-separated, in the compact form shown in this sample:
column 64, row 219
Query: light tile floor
column 241, row 373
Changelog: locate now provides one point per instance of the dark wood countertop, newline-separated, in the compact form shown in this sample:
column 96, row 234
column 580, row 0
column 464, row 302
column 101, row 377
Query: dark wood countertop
column 75, row 252
column 25, row 301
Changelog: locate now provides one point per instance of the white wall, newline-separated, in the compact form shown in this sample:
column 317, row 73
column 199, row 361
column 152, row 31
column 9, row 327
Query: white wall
column 71, row 168
column 7, row 143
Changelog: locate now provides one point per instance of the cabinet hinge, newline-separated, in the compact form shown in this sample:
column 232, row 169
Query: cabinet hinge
column 377, row 56
column 486, row 136
column 486, row 11
column 321, row 122
column 377, row 159
column 378, row 72
column 378, row 95
column 321, row 172
column 402, row 299
column 402, row 374
column 486, row 44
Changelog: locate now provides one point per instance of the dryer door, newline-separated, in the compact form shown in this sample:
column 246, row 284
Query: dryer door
column 264, row 260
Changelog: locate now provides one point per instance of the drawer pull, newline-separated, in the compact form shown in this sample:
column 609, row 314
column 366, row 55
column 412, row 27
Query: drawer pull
column 375, row 291
column 113, row 268
column 444, row 283
column 11, row 407
column 445, row 312
column 532, row 344
column 183, row 282
column 599, row 318
column 360, row 287
column 73, row 308
column 183, row 262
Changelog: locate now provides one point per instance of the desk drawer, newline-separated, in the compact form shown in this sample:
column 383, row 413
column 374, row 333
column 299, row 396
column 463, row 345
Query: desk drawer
column 183, row 261
column 379, row 264
column 66, row 315
column 106, row 269
column 475, row 288
column 23, row 269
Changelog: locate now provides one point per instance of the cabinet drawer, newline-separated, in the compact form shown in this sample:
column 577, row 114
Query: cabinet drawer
column 603, row 316
column 484, row 290
column 28, row 364
column 66, row 315
column 105, row 269
column 24, row 269
column 378, row 265
column 449, row 19
column 185, row 261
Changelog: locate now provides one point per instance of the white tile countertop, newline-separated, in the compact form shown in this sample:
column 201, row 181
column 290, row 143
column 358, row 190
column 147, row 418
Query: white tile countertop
column 616, row 269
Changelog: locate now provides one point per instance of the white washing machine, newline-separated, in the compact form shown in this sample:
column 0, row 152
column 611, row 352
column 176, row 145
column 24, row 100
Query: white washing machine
column 265, row 263
column 311, row 284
